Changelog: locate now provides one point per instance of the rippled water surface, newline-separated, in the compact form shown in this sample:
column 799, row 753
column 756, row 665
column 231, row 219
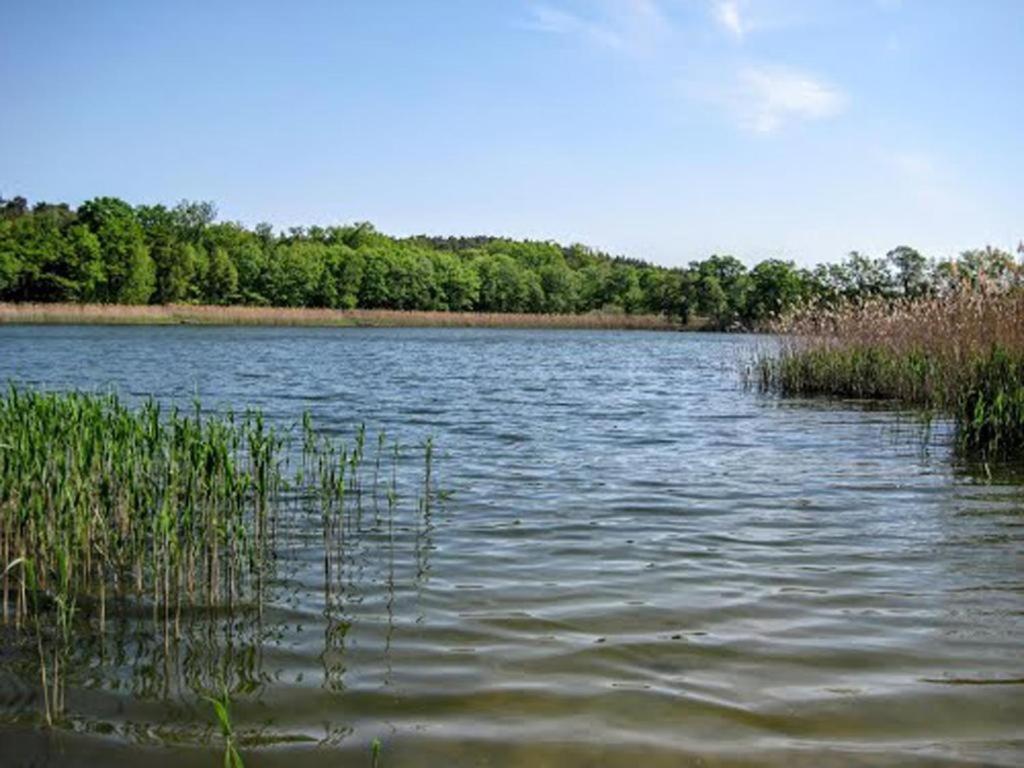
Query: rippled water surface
column 642, row 564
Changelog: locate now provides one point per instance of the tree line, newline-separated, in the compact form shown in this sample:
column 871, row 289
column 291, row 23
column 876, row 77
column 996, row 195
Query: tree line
column 108, row 251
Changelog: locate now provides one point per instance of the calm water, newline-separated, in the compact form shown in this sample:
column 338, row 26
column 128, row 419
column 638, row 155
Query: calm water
column 642, row 565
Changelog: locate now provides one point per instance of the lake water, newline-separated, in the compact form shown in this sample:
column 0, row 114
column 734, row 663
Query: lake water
column 642, row 564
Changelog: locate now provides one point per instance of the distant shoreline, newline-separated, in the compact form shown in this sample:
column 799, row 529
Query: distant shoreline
column 188, row 314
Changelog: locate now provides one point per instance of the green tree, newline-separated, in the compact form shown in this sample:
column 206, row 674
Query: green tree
column 721, row 284
column 174, row 258
column 593, row 286
column 910, row 269
column 560, row 287
column 987, row 265
column 868, row 278
column 375, row 289
column 221, row 277
column 348, row 275
column 775, row 287
column 252, row 265
column 40, row 254
column 623, row 288
column 129, row 272
column 457, row 281
column 295, row 271
column 412, row 281
column 711, row 300
column 502, row 284
column 192, row 218
column 84, row 265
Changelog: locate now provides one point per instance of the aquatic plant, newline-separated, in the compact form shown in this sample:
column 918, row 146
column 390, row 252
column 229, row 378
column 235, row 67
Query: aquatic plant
column 222, row 711
column 960, row 354
column 107, row 509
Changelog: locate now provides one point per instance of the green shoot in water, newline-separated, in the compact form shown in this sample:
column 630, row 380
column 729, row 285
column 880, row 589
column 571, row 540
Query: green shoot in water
column 222, row 711
column 106, row 510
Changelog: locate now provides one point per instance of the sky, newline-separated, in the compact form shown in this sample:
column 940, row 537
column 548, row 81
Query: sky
column 665, row 130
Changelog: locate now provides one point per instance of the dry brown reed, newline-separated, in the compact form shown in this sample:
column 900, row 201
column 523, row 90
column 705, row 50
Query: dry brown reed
column 961, row 353
column 958, row 326
column 185, row 314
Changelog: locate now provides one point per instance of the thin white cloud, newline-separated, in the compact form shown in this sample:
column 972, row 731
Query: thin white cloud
column 631, row 26
column 727, row 14
column 556, row 21
column 767, row 97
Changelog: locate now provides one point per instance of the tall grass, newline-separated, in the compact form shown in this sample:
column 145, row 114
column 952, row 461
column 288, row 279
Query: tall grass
column 961, row 355
column 107, row 509
column 190, row 314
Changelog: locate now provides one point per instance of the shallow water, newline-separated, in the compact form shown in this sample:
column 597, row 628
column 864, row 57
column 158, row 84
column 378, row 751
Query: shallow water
column 642, row 564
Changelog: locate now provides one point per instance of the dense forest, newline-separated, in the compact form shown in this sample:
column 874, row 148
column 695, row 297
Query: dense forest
column 108, row 251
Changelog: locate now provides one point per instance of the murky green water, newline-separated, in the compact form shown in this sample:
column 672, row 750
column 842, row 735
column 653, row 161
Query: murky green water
column 642, row 565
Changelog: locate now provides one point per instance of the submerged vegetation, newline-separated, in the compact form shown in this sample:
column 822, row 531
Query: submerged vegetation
column 960, row 354
column 106, row 251
column 113, row 516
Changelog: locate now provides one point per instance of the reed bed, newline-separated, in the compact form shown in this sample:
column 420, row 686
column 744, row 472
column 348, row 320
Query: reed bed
column 109, row 512
column 189, row 314
column 961, row 355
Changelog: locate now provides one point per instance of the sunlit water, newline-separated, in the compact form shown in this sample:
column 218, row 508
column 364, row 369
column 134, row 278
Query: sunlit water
column 642, row 564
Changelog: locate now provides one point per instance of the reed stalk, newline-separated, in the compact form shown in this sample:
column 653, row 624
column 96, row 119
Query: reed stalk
column 961, row 355
column 107, row 509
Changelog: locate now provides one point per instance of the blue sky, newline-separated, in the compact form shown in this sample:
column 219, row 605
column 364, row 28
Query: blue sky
column 662, row 129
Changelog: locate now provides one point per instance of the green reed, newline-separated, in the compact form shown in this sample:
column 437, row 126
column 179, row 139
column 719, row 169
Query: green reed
column 984, row 396
column 108, row 509
column 222, row 711
column 990, row 410
column 960, row 355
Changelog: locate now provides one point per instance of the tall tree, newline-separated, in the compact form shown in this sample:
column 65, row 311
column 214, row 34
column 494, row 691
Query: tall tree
column 129, row 273
column 910, row 269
